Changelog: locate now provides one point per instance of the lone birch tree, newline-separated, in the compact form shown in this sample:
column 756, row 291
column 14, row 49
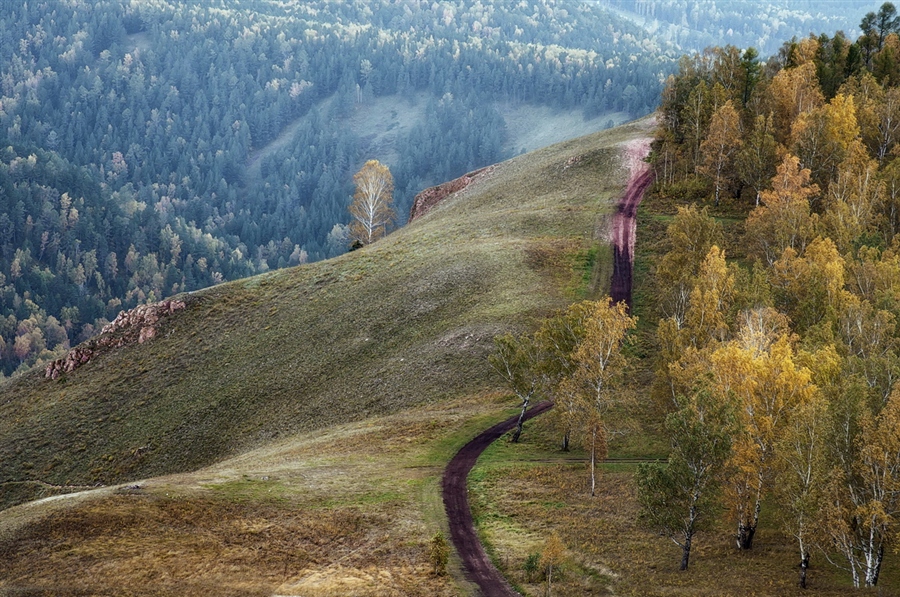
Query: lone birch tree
column 515, row 359
column 597, row 375
column 372, row 207
column 675, row 497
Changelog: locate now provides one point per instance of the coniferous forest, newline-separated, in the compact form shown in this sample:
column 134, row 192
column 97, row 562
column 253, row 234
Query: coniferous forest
column 150, row 148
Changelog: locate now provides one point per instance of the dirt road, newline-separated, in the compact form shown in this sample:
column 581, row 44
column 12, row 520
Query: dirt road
column 624, row 223
column 475, row 561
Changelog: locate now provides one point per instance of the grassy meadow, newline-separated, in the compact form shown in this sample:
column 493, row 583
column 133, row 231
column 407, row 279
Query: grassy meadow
column 522, row 494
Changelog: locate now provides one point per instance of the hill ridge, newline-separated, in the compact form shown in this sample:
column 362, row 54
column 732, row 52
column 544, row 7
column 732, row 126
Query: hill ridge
column 405, row 321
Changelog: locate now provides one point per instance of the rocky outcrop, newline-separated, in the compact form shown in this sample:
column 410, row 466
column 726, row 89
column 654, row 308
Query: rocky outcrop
column 136, row 326
column 432, row 196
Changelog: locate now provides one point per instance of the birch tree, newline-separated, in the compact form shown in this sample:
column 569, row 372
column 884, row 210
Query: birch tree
column 768, row 387
column 372, row 207
column 802, row 474
column 863, row 508
column 516, row 361
column 596, row 380
column 676, row 497
column 557, row 339
column 718, row 150
column 785, row 219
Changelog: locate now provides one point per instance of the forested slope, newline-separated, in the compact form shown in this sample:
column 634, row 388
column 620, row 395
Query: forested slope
column 128, row 130
column 694, row 25
column 778, row 296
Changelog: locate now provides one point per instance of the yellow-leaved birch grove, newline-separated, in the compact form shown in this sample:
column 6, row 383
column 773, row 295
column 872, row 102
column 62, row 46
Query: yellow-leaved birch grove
column 779, row 294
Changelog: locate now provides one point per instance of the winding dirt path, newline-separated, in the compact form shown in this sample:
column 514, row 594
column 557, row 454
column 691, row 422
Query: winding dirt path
column 477, row 565
column 624, row 223
column 476, row 562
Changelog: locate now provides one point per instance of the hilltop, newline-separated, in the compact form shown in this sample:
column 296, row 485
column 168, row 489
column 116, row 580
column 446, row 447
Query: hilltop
column 327, row 396
column 401, row 323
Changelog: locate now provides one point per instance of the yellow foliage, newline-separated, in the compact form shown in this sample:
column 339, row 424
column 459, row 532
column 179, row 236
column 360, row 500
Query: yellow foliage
column 785, row 219
column 768, row 388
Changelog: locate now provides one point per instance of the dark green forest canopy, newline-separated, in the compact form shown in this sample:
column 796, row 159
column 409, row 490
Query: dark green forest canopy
column 132, row 133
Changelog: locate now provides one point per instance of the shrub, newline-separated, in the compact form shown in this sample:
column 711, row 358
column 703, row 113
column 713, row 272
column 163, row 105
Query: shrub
column 438, row 554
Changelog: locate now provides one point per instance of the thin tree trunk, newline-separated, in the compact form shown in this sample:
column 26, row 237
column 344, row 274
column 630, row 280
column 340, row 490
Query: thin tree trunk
column 515, row 437
column 873, row 569
column 565, row 441
column 745, row 535
column 804, row 566
column 746, row 530
column 593, row 461
column 686, row 552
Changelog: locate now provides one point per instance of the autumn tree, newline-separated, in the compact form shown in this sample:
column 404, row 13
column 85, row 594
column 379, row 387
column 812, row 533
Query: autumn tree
column 685, row 347
column 552, row 557
column 756, row 160
column 823, row 137
column 689, row 238
column 557, row 338
column 870, row 344
column 878, row 114
column 677, row 496
column 596, row 380
column 695, row 115
column 792, row 92
column 710, row 301
column 718, row 149
column 767, row 386
column 785, row 219
column 853, row 200
column 890, row 207
column 516, row 361
column 810, row 287
column 801, row 466
column 372, row 207
column 862, row 512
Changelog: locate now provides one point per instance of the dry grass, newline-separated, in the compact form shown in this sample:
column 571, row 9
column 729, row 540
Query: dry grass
column 406, row 321
column 347, row 510
column 317, row 406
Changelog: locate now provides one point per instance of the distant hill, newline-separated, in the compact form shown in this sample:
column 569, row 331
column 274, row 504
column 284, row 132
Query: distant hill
column 693, row 25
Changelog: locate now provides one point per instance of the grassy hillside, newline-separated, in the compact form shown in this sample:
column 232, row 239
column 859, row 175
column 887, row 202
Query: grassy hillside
column 345, row 510
column 404, row 322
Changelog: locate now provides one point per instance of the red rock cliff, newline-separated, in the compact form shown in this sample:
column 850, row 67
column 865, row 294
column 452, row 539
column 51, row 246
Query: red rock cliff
column 430, row 197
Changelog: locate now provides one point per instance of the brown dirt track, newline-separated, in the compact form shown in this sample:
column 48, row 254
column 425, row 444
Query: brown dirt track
column 475, row 561
column 624, row 225
column 477, row 565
